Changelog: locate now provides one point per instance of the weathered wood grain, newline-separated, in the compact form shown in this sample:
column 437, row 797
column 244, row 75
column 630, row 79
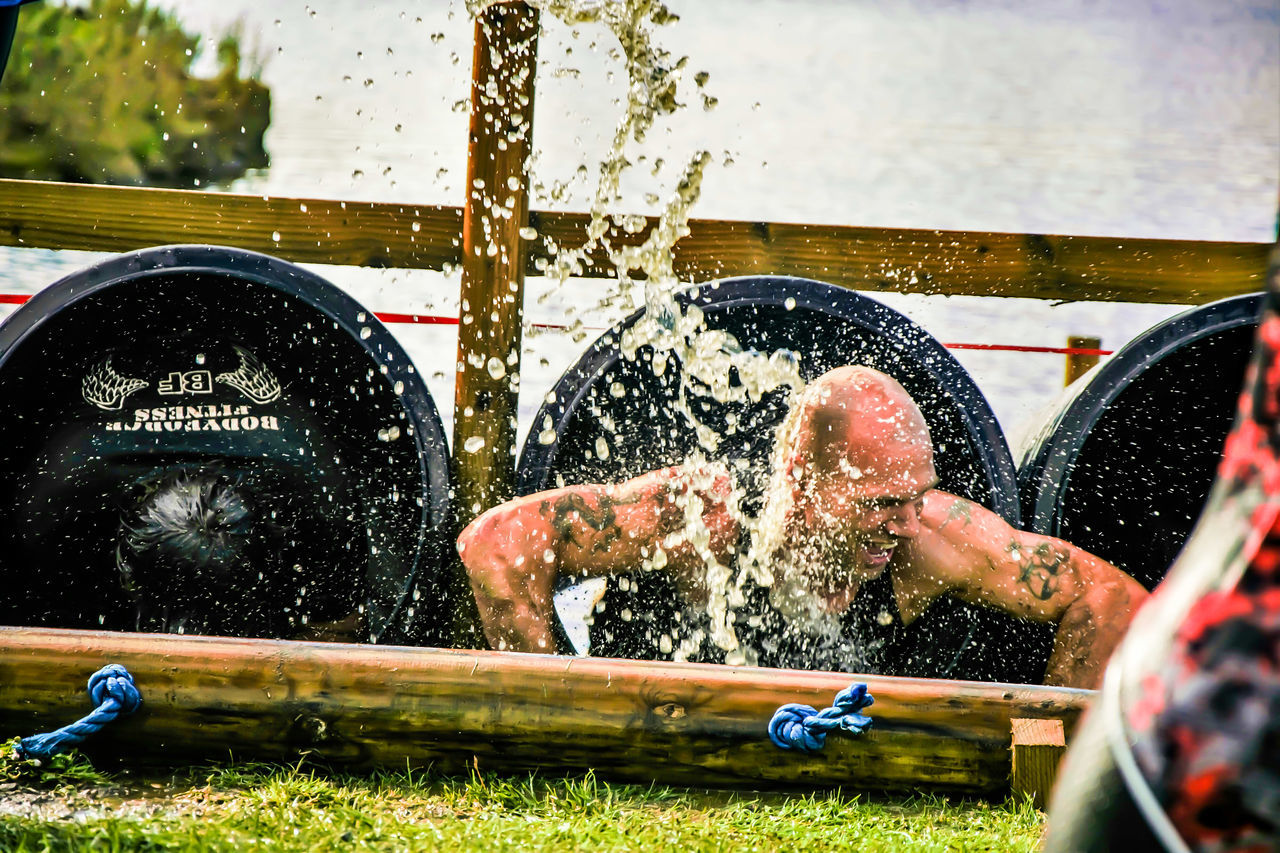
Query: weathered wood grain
column 365, row 706
column 322, row 231
column 493, row 266
column 79, row 216
column 1038, row 748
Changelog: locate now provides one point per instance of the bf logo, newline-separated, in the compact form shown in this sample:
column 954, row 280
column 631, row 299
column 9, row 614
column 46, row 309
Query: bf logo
column 190, row 382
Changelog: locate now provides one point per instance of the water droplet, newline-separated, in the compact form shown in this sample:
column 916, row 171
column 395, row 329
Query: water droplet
column 790, row 303
column 365, row 333
column 275, row 236
column 473, row 444
column 496, row 368
column 199, row 358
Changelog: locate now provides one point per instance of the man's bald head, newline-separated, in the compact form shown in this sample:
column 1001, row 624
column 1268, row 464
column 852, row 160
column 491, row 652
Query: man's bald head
column 859, row 423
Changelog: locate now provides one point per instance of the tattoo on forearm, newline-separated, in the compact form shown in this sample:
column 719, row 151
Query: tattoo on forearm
column 601, row 518
column 960, row 510
column 1040, row 569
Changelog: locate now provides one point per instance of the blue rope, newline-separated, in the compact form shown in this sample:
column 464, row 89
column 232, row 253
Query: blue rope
column 803, row 728
column 112, row 690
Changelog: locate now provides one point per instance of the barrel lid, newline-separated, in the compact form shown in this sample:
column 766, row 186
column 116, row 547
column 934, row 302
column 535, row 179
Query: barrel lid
column 177, row 355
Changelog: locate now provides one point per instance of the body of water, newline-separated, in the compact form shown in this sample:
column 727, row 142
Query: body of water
column 1099, row 117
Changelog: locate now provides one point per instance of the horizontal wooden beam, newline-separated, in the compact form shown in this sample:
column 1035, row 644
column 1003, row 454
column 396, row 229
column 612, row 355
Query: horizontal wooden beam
column 368, row 706
column 114, row 219
column 322, row 231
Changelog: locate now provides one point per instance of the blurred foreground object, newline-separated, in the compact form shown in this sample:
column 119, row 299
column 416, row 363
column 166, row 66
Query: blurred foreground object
column 1181, row 752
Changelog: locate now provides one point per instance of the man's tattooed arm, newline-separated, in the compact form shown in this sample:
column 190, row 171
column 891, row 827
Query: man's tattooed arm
column 569, row 513
column 514, row 553
column 644, row 512
column 1091, row 601
column 981, row 559
column 1040, row 567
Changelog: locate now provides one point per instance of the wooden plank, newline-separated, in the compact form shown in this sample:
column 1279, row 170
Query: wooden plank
column 77, row 216
column 1038, row 747
column 304, row 230
column 977, row 263
column 369, row 706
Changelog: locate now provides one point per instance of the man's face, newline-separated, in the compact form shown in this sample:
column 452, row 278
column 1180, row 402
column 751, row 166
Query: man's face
column 858, row 498
column 861, row 515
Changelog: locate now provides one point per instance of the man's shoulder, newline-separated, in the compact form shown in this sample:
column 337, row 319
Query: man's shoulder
column 956, row 532
column 943, row 511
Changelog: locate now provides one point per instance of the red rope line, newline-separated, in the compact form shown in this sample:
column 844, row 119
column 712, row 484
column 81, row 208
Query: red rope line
column 441, row 320
column 1019, row 348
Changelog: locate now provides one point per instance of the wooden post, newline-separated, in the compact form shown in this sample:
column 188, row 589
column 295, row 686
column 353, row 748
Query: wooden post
column 1078, row 364
column 493, row 261
column 493, row 264
column 1038, row 747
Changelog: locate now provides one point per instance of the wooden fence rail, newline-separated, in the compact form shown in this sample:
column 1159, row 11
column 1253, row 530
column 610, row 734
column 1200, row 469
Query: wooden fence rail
column 115, row 219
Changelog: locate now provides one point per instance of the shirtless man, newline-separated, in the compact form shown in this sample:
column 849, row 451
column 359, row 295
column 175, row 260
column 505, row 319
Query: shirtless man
column 851, row 503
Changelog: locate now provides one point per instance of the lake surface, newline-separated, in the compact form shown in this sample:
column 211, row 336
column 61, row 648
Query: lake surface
column 1099, row 117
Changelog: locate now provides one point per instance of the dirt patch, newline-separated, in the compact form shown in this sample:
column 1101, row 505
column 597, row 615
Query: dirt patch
column 88, row 802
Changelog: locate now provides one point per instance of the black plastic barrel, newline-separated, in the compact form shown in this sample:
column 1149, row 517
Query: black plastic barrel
column 1122, row 463
column 624, row 407
column 186, row 357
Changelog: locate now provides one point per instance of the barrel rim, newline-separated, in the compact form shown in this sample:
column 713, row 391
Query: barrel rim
column 1044, row 473
column 537, row 459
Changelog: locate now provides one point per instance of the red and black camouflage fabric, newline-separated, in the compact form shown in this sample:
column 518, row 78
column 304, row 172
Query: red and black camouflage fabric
column 1181, row 750
column 1207, row 728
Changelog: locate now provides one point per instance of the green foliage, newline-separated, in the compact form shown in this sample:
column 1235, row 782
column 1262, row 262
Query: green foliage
column 296, row 808
column 105, row 93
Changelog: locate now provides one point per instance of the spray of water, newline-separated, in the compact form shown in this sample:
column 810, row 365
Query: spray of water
column 707, row 358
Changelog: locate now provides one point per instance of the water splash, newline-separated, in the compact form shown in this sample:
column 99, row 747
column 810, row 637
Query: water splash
column 708, row 358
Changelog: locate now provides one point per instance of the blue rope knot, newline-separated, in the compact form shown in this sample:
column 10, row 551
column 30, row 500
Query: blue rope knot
column 112, row 690
column 804, row 728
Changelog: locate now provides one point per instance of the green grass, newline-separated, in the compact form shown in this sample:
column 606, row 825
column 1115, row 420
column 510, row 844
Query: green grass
column 69, row 806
